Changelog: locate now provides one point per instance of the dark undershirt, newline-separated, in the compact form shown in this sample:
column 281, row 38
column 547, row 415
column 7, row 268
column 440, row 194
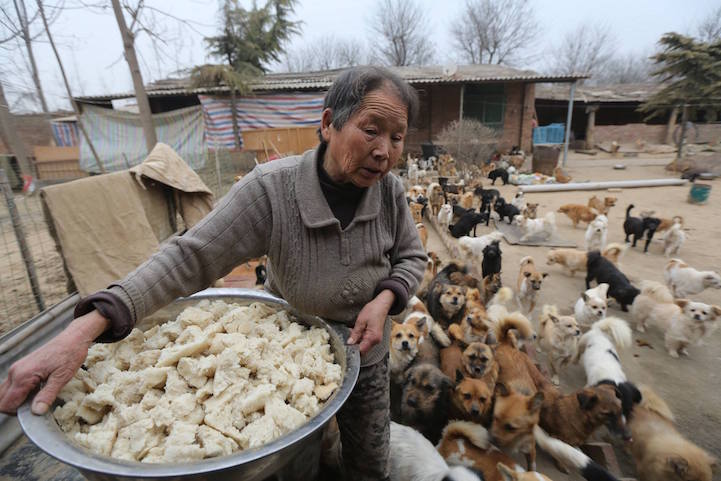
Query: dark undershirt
column 343, row 199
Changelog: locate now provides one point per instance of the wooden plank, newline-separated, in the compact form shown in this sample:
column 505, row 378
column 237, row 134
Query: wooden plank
column 44, row 154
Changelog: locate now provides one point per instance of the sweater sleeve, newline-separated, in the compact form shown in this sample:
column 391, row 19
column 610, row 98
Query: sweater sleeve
column 236, row 230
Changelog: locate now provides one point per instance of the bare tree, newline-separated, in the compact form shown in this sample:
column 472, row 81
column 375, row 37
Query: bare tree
column 586, row 49
column 10, row 137
column 22, row 14
column 325, row 53
column 402, row 33
column 626, row 69
column 494, row 31
column 710, row 28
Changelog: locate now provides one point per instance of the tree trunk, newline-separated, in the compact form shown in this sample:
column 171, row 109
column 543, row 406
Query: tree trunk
column 146, row 118
column 684, row 122
column 10, row 136
column 234, row 119
column 23, row 18
column 671, row 125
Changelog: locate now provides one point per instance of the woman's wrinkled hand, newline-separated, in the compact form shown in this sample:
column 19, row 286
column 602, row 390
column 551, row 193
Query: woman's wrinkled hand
column 368, row 328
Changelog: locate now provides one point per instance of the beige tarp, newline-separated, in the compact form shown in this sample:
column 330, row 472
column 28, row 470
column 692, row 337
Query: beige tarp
column 109, row 224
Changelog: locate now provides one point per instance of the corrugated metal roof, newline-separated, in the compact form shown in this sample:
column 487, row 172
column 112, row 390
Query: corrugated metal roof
column 599, row 93
column 323, row 79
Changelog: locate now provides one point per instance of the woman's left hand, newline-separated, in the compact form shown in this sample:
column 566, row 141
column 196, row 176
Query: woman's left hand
column 368, row 329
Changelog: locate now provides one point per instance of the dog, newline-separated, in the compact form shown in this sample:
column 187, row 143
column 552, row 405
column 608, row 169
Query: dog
column 480, row 363
column 505, row 210
column 603, row 271
column 597, row 351
column 416, row 211
column 451, row 198
column 667, row 223
column 519, row 201
column 471, row 400
column 516, row 370
column 578, row 213
column 602, row 206
column 403, row 348
column 592, row 305
column 434, row 193
column 416, row 193
column 446, row 300
column 474, row 327
column 529, row 283
column 572, row 259
column 560, row 176
column 558, row 337
column 683, row 322
column 496, row 173
column 536, row 228
column 445, row 215
column 685, row 281
column 422, row 233
column 613, row 252
column 414, row 458
column 492, row 259
column 597, row 233
column 425, row 400
column 432, row 265
column 466, row 200
column 660, row 452
column 673, row 239
column 636, row 226
column 468, row 221
column 490, row 286
column 474, row 245
column 530, row 211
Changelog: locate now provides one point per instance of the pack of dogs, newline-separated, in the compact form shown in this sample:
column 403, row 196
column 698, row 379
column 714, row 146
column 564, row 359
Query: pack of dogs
column 469, row 399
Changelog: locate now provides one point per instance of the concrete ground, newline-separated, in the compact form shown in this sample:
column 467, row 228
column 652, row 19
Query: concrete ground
column 691, row 385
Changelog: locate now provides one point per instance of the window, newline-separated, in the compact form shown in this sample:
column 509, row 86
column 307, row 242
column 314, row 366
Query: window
column 485, row 103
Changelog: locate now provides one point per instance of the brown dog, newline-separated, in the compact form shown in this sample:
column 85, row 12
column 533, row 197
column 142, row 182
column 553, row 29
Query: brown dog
column 424, row 403
column 452, row 359
column 422, row 233
column 529, row 283
column 516, row 370
column 530, row 211
column 432, row 266
column 452, row 299
column 489, row 286
column 471, row 400
column 602, row 206
column 466, row 200
column 416, row 212
column 463, row 279
column 578, row 213
column 666, row 223
column 480, row 363
column 474, row 326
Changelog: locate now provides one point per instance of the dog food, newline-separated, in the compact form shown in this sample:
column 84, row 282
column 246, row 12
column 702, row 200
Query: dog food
column 217, row 379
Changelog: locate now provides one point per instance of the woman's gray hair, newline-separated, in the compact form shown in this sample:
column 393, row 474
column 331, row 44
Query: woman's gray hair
column 349, row 89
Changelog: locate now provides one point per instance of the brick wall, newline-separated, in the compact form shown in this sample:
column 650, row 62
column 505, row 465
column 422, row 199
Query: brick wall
column 33, row 129
column 520, row 100
column 439, row 105
column 630, row 133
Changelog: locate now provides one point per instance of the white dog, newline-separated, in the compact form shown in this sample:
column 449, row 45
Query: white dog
column 519, row 201
column 673, row 239
column 475, row 245
column 536, row 228
column 685, row 281
column 596, row 233
column 592, row 305
column 413, row 171
column 597, row 350
column 445, row 216
column 414, row 458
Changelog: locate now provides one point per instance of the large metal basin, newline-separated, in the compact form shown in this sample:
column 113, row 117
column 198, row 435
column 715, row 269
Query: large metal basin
column 253, row 464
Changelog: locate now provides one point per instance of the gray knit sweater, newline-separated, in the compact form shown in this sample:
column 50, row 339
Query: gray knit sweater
column 279, row 209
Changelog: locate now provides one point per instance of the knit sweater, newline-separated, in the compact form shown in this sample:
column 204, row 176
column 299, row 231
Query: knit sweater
column 279, row 209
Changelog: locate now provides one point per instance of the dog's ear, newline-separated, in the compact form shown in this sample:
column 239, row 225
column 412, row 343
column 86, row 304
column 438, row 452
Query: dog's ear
column 716, row 311
column 535, row 403
column 587, row 401
column 544, row 274
column 459, row 376
column 554, row 319
column 682, row 303
column 421, row 322
column 527, row 274
column 506, row 473
column 585, row 297
column 502, row 389
column 678, row 464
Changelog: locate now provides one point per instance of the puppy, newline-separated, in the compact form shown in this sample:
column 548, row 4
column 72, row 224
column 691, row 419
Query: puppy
column 468, row 221
column 536, row 228
column 434, row 193
column 592, row 305
column 529, row 283
column 530, row 211
column 416, row 211
column 597, row 351
column 659, row 450
column 597, row 233
column 602, row 206
column 491, row 263
column 466, row 200
column 685, row 281
column 490, row 286
column 505, row 210
column 425, row 399
column 560, row 176
column 496, row 173
column 572, row 259
column 636, row 227
column 415, row 193
column 558, row 337
column 578, row 213
column 471, row 400
column 403, row 349
column 445, row 215
column 413, row 457
column 474, row 245
column 673, row 239
column 603, row 271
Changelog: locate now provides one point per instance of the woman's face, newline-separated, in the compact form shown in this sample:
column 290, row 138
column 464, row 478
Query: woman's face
column 371, row 141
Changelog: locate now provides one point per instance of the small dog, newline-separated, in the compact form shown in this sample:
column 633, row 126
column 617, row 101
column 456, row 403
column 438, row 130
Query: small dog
column 667, row 223
column 505, row 210
column 603, row 271
column 519, row 201
column 440, row 301
column 474, row 245
column 445, row 215
column 636, row 226
column 422, row 233
column 602, row 206
column 592, row 305
column 425, row 400
column 490, row 286
column 496, row 173
column 558, row 337
column 403, row 349
column 434, row 193
column 487, row 196
column 536, row 228
column 530, row 211
column 415, row 193
column 471, row 400
column 529, row 283
column 491, row 263
column 416, row 212
column 480, row 363
column 516, row 370
column 466, row 200
column 452, row 198
column 673, row 239
column 597, row 351
column 572, row 259
column 659, row 450
column 597, row 233
column 473, row 328
column 561, row 176
column 685, row 281
column 468, row 221
column 578, row 213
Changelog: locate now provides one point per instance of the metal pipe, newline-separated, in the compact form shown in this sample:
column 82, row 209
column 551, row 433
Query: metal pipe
column 613, row 184
column 568, row 122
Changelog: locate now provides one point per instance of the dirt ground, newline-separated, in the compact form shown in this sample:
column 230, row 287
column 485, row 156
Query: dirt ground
column 691, row 385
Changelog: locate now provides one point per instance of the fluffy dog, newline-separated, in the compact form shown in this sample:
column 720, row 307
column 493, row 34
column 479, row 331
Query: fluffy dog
column 636, row 226
column 468, row 221
column 673, row 239
column 414, row 458
column 434, row 193
column 474, row 327
column 446, row 300
column 558, row 337
column 403, row 349
column 592, row 305
column 613, row 252
column 491, row 263
column 596, row 233
column 572, row 259
column 685, row 281
column 445, row 215
column 529, row 283
column 480, row 363
column 603, row 271
column 415, row 193
column 662, row 453
column 474, row 245
column 466, row 200
column 424, row 403
column 530, row 211
column 578, row 213
column 452, row 198
column 516, row 370
column 505, row 210
column 597, row 351
column 602, row 206
column 519, row 201
column 496, row 173
column 536, row 228
column 428, row 327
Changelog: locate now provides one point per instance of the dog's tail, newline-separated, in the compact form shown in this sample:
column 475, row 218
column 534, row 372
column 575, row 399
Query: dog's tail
column 476, row 434
column 617, row 329
column 656, row 291
column 527, row 260
column 563, row 208
column 614, row 251
column 571, row 457
column 546, row 313
column 653, row 402
column 514, row 321
column 628, row 210
column 502, row 297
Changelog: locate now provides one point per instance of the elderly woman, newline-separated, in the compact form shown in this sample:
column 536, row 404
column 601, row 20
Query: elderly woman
column 341, row 245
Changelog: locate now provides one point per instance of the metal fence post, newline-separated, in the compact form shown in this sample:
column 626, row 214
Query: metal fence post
column 22, row 242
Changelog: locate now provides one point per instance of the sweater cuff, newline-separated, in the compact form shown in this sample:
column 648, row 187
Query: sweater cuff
column 399, row 288
column 112, row 308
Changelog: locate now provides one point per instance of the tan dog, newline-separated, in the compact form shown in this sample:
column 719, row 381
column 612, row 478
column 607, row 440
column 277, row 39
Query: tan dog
column 452, row 300
column 452, row 199
column 435, row 197
column 466, row 200
column 560, row 176
column 667, row 223
column 578, row 213
column 415, row 192
column 529, row 283
column 489, row 286
column 516, row 370
column 479, row 362
column 602, row 206
column 403, row 349
column 452, row 359
column 614, row 251
column 558, row 337
column 530, row 211
column 462, row 279
column 572, row 259
column 422, row 233
column 416, row 212
column 471, row 400
column 474, row 327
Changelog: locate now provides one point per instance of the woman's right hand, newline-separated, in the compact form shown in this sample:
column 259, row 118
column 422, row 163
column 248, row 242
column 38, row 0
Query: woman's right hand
column 54, row 364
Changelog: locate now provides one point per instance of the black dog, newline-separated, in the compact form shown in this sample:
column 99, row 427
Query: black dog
column 425, row 400
column 627, row 392
column 491, row 263
column 261, row 274
column 636, row 226
column 505, row 210
column 603, row 270
column 502, row 173
column 469, row 220
column 488, row 196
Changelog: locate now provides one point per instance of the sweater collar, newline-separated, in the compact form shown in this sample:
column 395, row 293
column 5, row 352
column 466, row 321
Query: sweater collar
column 314, row 208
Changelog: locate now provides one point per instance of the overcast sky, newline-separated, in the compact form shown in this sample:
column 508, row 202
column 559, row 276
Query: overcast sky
column 92, row 51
